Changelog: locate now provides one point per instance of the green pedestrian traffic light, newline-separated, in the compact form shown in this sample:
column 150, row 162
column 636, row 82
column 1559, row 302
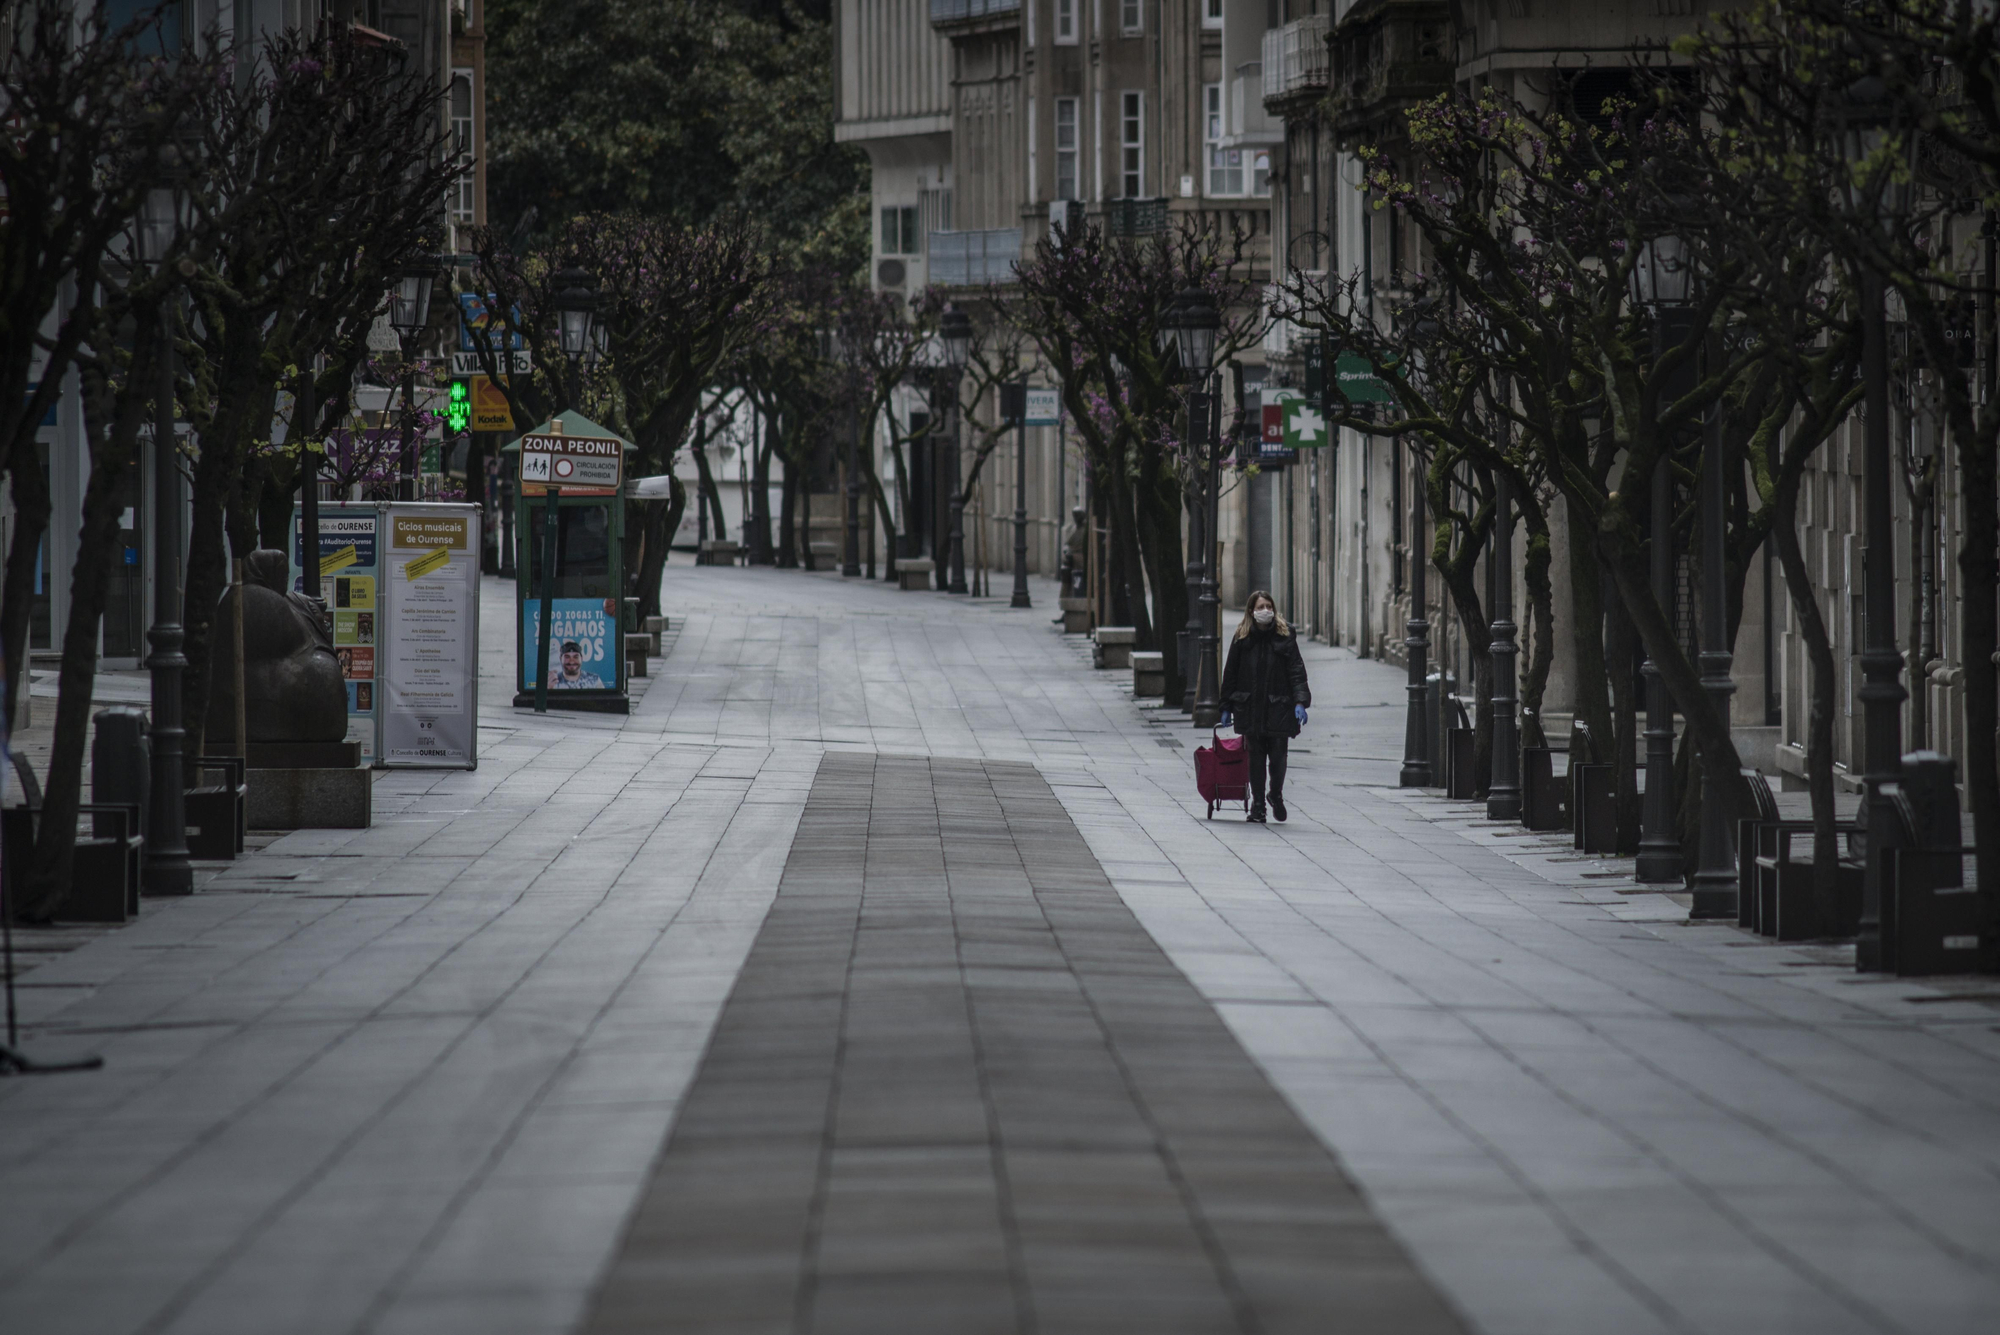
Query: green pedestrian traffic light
column 458, row 407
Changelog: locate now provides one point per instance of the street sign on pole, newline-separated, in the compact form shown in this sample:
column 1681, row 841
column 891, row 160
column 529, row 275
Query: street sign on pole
column 577, row 465
column 1044, row 407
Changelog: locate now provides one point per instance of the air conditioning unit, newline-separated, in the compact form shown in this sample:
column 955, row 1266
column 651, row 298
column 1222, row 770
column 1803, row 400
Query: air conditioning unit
column 891, row 273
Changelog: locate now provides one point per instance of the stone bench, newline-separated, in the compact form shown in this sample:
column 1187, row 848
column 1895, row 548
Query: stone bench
column 1149, row 674
column 653, row 626
column 1113, row 647
column 717, row 552
column 914, row 573
column 637, row 646
column 1075, row 615
column 825, row 555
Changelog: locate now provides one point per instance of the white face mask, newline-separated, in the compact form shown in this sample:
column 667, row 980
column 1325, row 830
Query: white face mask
column 1264, row 616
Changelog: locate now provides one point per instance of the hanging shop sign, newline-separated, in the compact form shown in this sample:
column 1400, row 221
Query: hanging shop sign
column 1355, row 375
column 430, row 636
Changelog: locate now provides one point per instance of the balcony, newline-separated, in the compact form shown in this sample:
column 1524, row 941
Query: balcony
column 1295, row 60
column 974, row 259
column 952, row 12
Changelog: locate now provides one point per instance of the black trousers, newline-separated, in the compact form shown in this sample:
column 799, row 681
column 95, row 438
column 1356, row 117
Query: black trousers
column 1266, row 750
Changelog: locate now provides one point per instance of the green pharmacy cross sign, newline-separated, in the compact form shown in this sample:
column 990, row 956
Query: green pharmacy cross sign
column 458, row 407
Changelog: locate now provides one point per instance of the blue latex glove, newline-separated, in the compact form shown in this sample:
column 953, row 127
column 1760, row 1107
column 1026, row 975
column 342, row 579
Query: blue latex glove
column 1226, row 718
column 1299, row 713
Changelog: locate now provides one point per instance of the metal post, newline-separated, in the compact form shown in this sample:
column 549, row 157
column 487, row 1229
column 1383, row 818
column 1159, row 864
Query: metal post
column 547, row 590
column 1882, row 692
column 1503, row 789
column 1020, row 598
column 1714, row 883
column 168, row 871
column 1416, row 741
column 850, row 565
column 1659, row 847
column 406, row 463
column 956, row 537
column 304, row 409
column 1208, row 705
column 507, row 570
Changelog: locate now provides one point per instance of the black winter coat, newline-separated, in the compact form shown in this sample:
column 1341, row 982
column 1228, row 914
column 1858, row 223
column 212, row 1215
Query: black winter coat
column 1263, row 679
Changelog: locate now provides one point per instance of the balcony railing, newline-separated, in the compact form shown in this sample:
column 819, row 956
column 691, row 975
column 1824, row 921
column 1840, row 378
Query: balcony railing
column 960, row 11
column 1295, row 57
column 1135, row 217
column 973, row 259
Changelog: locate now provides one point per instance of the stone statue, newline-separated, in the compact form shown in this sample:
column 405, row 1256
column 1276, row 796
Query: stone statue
column 292, row 686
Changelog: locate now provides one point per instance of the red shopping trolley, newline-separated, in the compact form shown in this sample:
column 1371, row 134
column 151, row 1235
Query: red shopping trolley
column 1222, row 772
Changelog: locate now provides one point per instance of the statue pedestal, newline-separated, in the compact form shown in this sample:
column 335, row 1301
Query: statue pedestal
column 309, row 786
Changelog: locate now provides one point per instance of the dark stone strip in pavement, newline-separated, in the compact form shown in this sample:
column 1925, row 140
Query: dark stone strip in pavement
column 958, row 1088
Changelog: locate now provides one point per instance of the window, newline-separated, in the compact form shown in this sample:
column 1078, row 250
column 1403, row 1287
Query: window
column 1211, row 13
column 1131, row 17
column 1225, row 165
column 463, row 192
column 1065, row 22
column 899, row 231
column 1066, row 175
column 1132, row 144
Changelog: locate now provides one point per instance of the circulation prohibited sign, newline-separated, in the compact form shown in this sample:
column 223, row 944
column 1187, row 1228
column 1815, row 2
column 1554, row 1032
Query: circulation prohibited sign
column 579, row 465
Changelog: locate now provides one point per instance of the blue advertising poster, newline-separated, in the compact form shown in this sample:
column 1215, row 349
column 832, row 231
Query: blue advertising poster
column 583, row 644
column 349, row 568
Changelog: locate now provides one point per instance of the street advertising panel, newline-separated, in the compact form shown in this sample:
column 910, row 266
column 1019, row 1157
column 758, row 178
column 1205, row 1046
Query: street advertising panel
column 430, row 636
column 350, row 583
column 1044, row 407
column 583, row 643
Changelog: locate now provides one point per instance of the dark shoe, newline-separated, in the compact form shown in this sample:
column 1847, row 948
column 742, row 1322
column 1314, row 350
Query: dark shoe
column 1278, row 808
column 1256, row 814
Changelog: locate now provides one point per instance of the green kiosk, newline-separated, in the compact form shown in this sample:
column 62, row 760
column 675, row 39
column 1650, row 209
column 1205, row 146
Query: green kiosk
column 571, row 471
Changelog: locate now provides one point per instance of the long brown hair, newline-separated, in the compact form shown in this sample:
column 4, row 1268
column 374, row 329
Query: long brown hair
column 1249, row 622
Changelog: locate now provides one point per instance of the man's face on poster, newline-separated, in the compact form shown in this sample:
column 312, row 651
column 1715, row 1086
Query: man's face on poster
column 572, row 661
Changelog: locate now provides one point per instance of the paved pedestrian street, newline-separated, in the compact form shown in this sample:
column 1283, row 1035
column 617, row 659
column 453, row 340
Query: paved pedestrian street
column 880, row 973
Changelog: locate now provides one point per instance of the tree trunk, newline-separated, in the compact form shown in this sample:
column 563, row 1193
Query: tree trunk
column 1824, row 686
column 49, row 874
column 1159, row 525
column 710, row 497
column 1542, row 620
column 1586, row 628
column 757, row 525
column 251, row 398
column 1620, row 641
column 788, row 538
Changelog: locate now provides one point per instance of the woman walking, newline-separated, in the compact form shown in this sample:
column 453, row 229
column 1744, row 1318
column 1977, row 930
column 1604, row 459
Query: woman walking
column 1264, row 692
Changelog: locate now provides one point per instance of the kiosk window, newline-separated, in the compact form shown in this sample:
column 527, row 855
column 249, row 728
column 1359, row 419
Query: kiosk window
column 583, row 551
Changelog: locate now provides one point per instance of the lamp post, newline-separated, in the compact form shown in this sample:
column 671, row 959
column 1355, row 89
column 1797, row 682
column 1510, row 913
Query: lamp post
column 1193, row 320
column 1882, row 694
column 1663, row 284
column 955, row 331
column 576, row 312
column 1416, row 772
column 1020, row 597
column 163, row 215
column 409, row 314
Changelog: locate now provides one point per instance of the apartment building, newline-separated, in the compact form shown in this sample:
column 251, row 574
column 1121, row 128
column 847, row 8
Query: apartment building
column 1135, row 111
